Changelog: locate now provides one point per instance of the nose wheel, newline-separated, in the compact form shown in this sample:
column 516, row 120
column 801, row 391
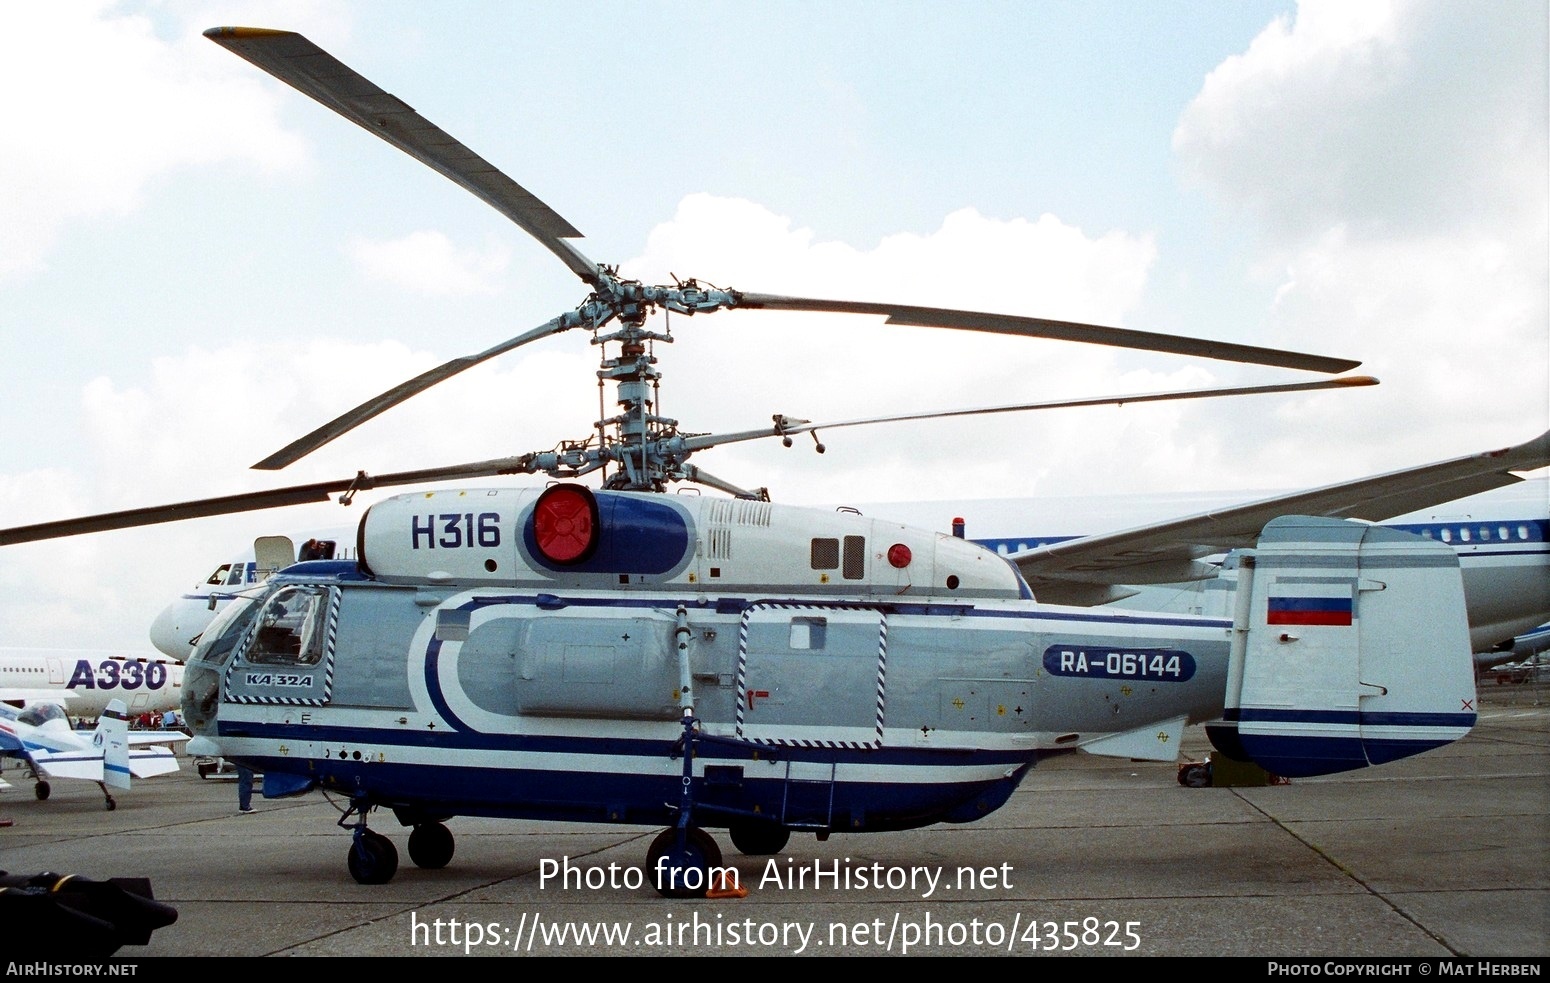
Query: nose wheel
column 681, row 863
column 373, row 859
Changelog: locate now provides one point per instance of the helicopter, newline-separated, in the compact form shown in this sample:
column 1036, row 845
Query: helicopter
column 701, row 662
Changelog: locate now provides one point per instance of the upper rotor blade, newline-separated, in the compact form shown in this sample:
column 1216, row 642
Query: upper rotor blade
column 252, row 501
column 293, row 59
column 344, row 423
column 1038, row 327
column 804, row 426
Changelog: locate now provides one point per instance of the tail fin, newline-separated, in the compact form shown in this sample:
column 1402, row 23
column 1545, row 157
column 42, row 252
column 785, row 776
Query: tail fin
column 1350, row 648
column 112, row 737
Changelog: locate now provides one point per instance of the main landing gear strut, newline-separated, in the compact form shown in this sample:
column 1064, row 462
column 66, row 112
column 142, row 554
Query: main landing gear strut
column 373, row 859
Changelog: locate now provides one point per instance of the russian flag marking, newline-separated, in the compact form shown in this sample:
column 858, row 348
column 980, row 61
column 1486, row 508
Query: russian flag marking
column 1308, row 611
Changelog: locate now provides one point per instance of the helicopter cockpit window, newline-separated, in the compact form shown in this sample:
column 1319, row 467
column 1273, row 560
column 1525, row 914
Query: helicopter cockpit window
column 290, row 627
column 226, row 629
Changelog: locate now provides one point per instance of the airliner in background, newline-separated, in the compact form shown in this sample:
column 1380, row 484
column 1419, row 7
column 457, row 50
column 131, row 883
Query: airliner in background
column 1502, row 538
column 176, row 628
column 83, row 681
column 1480, row 504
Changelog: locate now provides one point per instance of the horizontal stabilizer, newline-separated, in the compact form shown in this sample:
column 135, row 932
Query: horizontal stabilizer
column 88, row 765
column 85, row 765
column 149, row 761
column 1351, row 648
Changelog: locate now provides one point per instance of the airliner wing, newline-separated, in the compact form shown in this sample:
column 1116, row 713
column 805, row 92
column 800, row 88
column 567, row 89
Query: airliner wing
column 143, row 737
column 30, row 695
column 1092, row 569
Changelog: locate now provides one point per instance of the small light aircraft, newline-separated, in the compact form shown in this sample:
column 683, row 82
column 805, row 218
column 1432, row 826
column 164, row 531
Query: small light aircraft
column 83, row 682
column 41, row 737
column 621, row 655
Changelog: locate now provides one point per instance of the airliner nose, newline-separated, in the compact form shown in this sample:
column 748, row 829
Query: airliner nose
column 179, row 623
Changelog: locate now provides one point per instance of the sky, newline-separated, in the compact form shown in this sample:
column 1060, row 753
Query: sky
column 199, row 264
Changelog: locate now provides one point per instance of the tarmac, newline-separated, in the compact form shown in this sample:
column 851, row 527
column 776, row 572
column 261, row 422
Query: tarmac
column 1442, row 856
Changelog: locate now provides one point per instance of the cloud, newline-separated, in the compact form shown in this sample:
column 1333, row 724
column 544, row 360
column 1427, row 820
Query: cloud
column 1394, row 118
column 427, row 262
column 74, row 149
column 1393, row 156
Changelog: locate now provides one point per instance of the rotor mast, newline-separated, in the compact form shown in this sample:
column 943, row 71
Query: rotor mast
column 637, row 428
column 645, row 447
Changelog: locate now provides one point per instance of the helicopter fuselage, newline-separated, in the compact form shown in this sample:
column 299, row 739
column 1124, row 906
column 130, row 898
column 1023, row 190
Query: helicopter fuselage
column 842, row 673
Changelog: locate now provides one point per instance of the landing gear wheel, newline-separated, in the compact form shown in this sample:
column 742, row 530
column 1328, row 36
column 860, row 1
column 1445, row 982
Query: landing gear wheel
column 682, row 873
column 41, row 790
column 373, row 859
column 759, row 839
column 431, row 846
column 1195, row 776
column 110, row 805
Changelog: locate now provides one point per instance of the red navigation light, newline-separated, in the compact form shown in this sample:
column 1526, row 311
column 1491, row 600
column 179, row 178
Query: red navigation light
column 565, row 524
column 899, row 555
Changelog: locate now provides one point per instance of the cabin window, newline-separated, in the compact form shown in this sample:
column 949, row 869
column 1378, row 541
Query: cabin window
column 825, row 554
column 1523, row 532
column 855, row 558
column 290, row 628
column 1502, row 534
column 1447, row 537
column 1463, row 534
column 452, row 624
column 809, row 633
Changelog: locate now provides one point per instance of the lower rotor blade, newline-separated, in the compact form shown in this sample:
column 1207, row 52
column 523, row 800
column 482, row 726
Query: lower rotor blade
column 1038, row 327
column 252, row 501
column 804, row 426
column 344, row 423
